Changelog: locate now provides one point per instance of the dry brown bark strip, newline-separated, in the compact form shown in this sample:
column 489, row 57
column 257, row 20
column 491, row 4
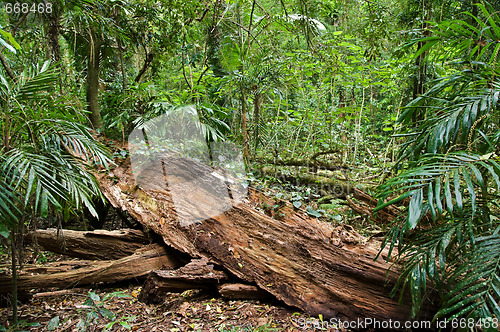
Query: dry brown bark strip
column 242, row 292
column 69, row 274
column 198, row 274
column 297, row 259
column 98, row 244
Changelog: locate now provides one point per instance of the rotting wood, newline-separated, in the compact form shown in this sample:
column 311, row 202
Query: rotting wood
column 69, row 274
column 296, row 259
column 198, row 274
column 339, row 189
column 243, row 292
column 98, row 244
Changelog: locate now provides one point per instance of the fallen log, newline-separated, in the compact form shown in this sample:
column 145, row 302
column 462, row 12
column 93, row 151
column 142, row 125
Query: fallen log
column 98, row 244
column 198, row 274
column 313, row 163
column 297, row 259
column 335, row 188
column 243, row 292
column 68, row 274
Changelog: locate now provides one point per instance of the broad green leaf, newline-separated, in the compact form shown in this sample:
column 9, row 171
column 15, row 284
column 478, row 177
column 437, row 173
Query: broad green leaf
column 458, row 194
column 4, row 231
column 415, row 208
column 447, row 194
column 471, row 190
column 53, row 323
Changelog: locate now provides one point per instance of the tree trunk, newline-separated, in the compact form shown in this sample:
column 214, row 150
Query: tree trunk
column 256, row 120
column 53, row 33
column 197, row 274
column 72, row 273
column 298, row 259
column 93, row 82
column 244, row 124
column 243, row 292
column 147, row 63
column 99, row 244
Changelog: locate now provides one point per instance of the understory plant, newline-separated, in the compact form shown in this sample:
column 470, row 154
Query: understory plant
column 448, row 241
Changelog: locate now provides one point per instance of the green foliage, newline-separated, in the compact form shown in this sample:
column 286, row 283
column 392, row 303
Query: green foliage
column 8, row 41
column 39, row 143
column 96, row 308
column 448, row 238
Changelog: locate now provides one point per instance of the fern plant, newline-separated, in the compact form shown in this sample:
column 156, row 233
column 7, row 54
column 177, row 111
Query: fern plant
column 448, row 240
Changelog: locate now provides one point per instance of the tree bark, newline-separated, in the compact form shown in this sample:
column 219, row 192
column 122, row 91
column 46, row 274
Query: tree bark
column 243, row 292
column 299, row 260
column 93, row 81
column 256, row 118
column 197, row 274
column 99, row 244
column 54, row 32
column 72, row 273
column 147, row 63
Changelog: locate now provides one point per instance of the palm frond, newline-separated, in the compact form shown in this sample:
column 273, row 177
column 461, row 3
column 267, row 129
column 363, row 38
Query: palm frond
column 442, row 184
column 475, row 280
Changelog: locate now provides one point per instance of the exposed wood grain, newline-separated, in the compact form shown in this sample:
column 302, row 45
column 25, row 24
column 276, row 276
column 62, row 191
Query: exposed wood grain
column 243, row 292
column 98, row 244
column 198, row 274
column 297, row 259
column 69, row 274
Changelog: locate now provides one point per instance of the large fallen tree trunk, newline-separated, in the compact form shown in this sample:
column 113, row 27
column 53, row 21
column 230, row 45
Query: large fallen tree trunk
column 69, row 274
column 98, row 244
column 297, row 259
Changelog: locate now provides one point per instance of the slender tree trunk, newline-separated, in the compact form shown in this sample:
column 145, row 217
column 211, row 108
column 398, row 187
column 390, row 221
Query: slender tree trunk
column 53, row 34
column 93, row 82
column 147, row 63
column 120, row 54
column 14, row 275
column 244, row 124
column 256, row 119
column 214, row 39
column 342, row 115
column 421, row 68
column 358, row 126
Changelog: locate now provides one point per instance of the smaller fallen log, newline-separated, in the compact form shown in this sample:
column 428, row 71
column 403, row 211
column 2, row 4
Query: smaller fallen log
column 243, row 292
column 99, row 244
column 313, row 162
column 340, row 189
column 197, row 274
column 337, row 188
column 69, row 274
column 367, row 204
column 60, row 292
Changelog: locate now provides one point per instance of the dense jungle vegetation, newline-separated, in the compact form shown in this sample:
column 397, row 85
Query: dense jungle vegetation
column 399, row 98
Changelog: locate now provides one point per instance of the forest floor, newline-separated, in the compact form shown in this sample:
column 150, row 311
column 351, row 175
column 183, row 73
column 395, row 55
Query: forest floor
column 192, row 310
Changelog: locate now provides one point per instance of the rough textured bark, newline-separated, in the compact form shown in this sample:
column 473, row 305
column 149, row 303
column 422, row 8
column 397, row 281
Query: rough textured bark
column 297, row 259
column 99, row 244
column 197, row 274
column 243, row 292
column 147, row 63
column 72, row 273
column 54, row 26
column 336, row 188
